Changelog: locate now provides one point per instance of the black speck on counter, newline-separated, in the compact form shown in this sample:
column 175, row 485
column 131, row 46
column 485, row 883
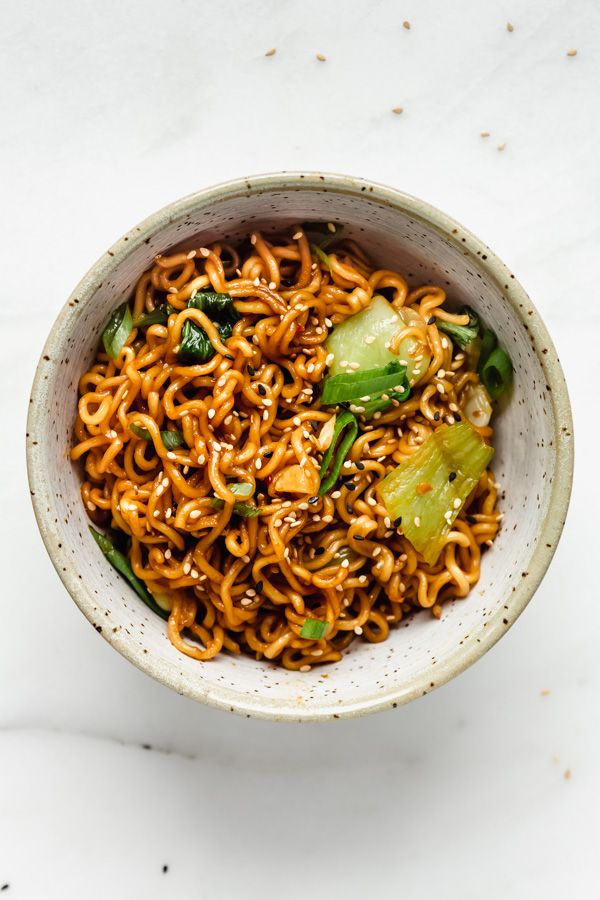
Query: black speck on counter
column 5, row 887
column 165, row 870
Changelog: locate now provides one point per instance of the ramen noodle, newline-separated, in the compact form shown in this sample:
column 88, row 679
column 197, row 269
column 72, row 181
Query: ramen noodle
column 285, row 449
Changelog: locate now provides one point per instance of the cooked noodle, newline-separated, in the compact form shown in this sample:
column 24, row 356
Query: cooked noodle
column 248, row 414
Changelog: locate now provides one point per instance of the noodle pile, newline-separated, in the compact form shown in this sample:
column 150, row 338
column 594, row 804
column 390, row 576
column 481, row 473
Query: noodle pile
column 247, row 415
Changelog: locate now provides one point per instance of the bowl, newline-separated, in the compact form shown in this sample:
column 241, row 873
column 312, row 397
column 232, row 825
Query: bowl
column 533, row 461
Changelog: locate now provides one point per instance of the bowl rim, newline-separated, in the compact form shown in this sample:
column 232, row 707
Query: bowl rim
column 560, row 490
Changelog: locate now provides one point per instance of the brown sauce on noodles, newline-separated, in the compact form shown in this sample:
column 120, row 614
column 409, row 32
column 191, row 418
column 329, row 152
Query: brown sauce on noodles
column 247, row 415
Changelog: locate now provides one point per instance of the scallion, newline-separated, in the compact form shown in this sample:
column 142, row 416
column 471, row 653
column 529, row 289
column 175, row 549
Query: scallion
column 497, row 373
column 314, row 629
column 320, row 255
column 123, row 567
column 462, row 335
column 117, row 330
column 158, row 316
column 371, row 382
column 333, row 464
column 170, row 439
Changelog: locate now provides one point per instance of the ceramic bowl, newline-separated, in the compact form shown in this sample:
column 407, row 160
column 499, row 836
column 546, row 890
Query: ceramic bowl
column 533, row 462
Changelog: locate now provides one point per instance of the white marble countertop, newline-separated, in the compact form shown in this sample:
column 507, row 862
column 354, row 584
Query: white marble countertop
column 111, row 786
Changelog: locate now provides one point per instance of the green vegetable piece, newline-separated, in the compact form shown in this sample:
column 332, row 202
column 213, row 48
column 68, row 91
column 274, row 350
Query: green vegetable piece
column 488, row 343
column 497, row 373
column 241, row 489
column 158, row 316
column 421, row 489
column 195, row 345
column 117, row 330
column 361, row 340
column 170, row 439
column 239, row 509
column 120, row 562
column 314, row 629
column 320, row 255
column 462, row 335
column 344, row 422
column 319, row 233
column 371, row 382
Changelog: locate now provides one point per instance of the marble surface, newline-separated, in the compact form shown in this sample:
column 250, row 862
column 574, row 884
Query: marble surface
column 110, row 785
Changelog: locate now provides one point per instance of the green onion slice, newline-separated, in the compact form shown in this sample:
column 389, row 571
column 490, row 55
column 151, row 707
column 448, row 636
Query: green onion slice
column 239, row 509
column 321, row 255
column 117, row 330
column 120, row 562
column 170, row 439
column 497, row 373
column 462, row 335
column 350, row 387
column 344, row 423
column 314, row 629
column 241, row 489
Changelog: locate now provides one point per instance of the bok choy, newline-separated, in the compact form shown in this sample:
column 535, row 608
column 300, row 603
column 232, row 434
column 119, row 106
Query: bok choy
column 195, row 345
column 429, row 490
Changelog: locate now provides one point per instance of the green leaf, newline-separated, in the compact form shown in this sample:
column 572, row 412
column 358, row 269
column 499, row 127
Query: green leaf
column 344, row 422
column 241, row 489
column 462, row 335
column 318, row 233
column 488, row 343
column 120, row 562
column 352, row 386
column 170, row 439
column 117, row 330
column 195, row 344
column 158, row 316
column 314, row 629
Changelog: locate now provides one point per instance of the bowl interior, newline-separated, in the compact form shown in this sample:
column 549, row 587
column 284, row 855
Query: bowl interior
column 398, row 233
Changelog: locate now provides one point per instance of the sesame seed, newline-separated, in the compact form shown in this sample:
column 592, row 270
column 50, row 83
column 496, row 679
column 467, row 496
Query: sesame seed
column 571, row 52
column 376, row 552
column 440, row 388
column 272, row 285
column 297, row 421
column 417, row 522
column 317, row 652
column 406, row 25
column 329, row 359
column 510, row 26
column 204, row 251
column 258, row 464
column 457, row 503
column 398, row 110
column 171, row 455
column 201, row 462
column 245, row 558
column 271, row 52
column 194, row 573
column 168, row 553
column 90, row 506
column 445, row 343
column 195, row 514
column 159, row 490
column 253, row 241
column 345, row 564
column 331, row 227
column 165, row 482
column 246, row 601
column 501, row 146
column 336, row 495
column 321, row 57
column 297, row 236
column 186, row 469
column 358, row 630
column 371, row 501
column 187, row 568
column 212, row 413
column 267, row 402
column 304, row 669
column 344, row 363
column 172, row 290
column 362, row 579
column 484, row 134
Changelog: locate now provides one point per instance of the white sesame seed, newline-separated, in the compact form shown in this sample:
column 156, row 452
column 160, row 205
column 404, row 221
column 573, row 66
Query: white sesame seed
column 194, row 573
column 358, row 630
column 195, row 514
column 246, row 601
column 344, row 363
column 267, row 402
column 453, row 407
column 91, row 506
column 297, row 236
column 376, row 552
column 251, row 592
column 371, row 501
column 171, row 455
column 252, row 239
column 201, row 462
column 335, row 495
column 212, row 413
column 159, row 490
column 354, row 365
column 440, row 388
column 370, row 338
column 217, row 447
column 187, row 568
column 265, row 415
column 168, row 513
column 258, row 464
column 168, row 554
column 165, row 482
column 245, row 558
column 345, row 564
column 186, row 469
column 204, row 251
column 417, row 521
column 457, row 503
column 331, row 227
column 304, row 669
column 329, row 359
column 191, row 254
column 348, row 464
column 172, row 290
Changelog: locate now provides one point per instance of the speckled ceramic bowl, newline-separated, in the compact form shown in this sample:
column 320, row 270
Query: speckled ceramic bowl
column 534, row 449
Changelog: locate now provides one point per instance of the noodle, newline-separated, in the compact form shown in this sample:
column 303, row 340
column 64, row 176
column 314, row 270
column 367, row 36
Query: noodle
column 250, row 415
